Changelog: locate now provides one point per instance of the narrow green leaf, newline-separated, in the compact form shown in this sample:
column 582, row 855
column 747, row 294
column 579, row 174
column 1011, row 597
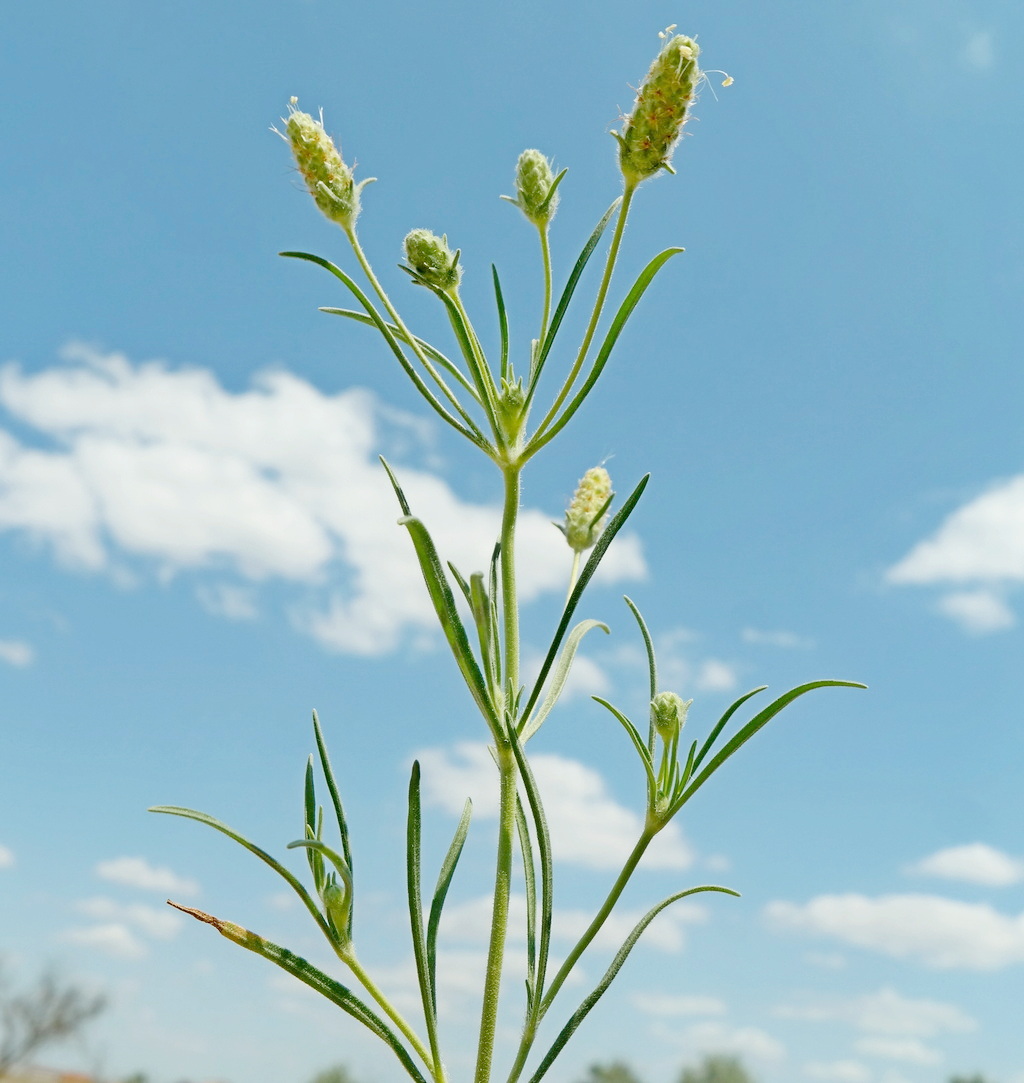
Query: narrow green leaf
column 615, row 524
column 566, row 297
column 609, row 975
column 381, row 324
column 334, row 991
column 652, row 666
column 461, row 583
column 547, row 878
column 502, row 323
column 316, row 864
column 722, row 723
column 757, row 722
column 431, row 351
column 638, row 744
column 559, row 675
column 444, row 880
column 332, row 788
column 295, row 884
column 530, row 883
column 625, row 310
column 444, row 606
column 428, row 996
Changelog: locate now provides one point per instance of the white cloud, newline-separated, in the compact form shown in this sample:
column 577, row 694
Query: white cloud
column 977, row 611
column 112, row 939
column 160, row 469
column 776, row 638
column 16, row 652
column 941, row 933
column 137, row 872
column 718, row 1038
column 975, row 863
column 908, row 1050
column 669, row 1005
column 838, row 1071
column 715, row 675
column 588, row 827
column 161, row 924
column 980, row 545
column 885, row 1013
column 979, row 50
column 6, row 857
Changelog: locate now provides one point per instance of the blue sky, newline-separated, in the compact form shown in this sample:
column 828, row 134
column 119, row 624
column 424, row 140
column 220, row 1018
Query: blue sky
column 198, row 546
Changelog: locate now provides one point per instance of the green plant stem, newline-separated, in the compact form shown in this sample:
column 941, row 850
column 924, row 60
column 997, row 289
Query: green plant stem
column 595, row 316
column 348, row 957
column 650, row 830
column 499, row 915
column 409, row 337
column 508, row 776
column 545, row 254
column 544, row 1002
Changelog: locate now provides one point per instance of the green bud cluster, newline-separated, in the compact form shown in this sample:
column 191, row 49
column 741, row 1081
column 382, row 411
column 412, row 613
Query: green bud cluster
column 585, row 517
column 431, row 260
column 327, row 177
column 669, row 712
column 536, row 192
column 652, row 130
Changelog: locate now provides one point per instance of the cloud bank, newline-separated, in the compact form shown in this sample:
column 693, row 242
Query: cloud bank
column 977, row 555
column 140, row 470
column 940, row 933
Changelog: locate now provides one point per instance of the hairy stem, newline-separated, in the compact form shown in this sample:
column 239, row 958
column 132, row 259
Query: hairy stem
column 595, row 316
column 509, row 777
column 349, row 959
column 599, row 919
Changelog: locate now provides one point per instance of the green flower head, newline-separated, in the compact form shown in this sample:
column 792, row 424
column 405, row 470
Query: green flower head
column 669, row 712
column 652, row 130
column 432, row 262
column 586, row 516
column 327, row 177
column 536, row 188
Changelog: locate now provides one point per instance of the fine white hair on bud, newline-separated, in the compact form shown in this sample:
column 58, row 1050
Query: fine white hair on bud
column 586, row 515
column 430, row 259
column 652, row 130
column 328, row 178
column 669, row 712
column 536, row 188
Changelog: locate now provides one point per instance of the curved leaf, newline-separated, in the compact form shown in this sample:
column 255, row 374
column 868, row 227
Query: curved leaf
column 615, row 524
column 609, row 975
column 559, row 675
column 759, row 720
column 211, row 821
column 543, row 436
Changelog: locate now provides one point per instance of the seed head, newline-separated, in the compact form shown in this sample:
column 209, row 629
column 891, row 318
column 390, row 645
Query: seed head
column 536, row 195
column 431, row 260
column 652, row 130
column 669, row 713
column 586, row 516
column 327, row 177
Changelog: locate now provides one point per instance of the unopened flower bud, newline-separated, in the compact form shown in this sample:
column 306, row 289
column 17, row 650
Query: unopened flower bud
column 327, row 177
column 536, row 196
column 652, row 130
column 669, row 713
column 433, row 262
column 338, row 905
column 586, row 516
